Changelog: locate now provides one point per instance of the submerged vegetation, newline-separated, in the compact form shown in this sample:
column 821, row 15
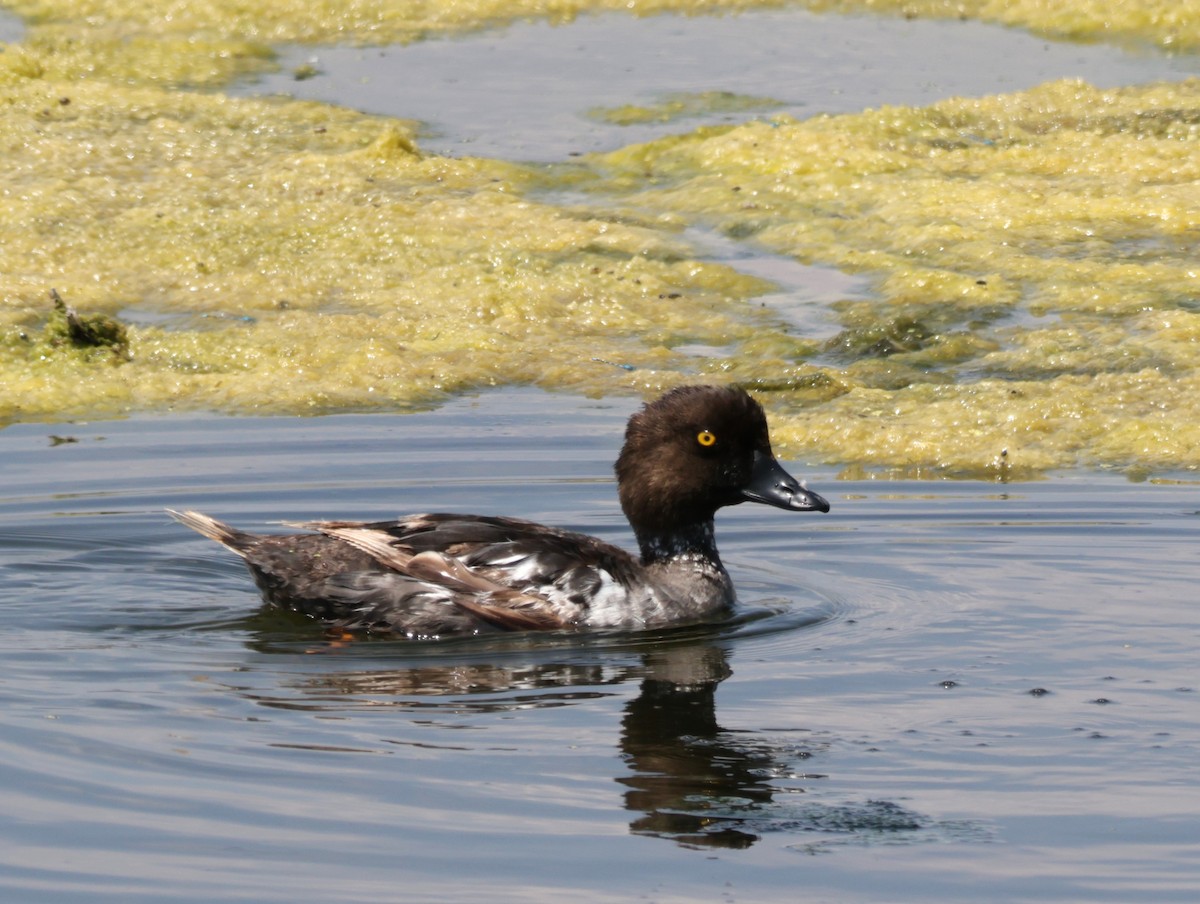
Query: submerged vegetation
column 1033, row 254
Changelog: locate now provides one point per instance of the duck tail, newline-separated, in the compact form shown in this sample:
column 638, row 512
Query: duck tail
column 213, row 529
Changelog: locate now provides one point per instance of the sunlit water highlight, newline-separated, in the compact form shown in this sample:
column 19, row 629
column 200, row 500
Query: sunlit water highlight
column 948, row 691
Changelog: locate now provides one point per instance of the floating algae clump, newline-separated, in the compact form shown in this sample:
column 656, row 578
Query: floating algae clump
column 210, row 42
column 285, row 256
column 93, row 333
column 1035, row 264
column 1172, row 24
column 680, row 105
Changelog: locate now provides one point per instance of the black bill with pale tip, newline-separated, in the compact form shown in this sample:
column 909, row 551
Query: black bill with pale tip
column 771, row 484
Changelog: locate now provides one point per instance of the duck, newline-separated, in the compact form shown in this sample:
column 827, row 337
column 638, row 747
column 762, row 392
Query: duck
column 692, row 451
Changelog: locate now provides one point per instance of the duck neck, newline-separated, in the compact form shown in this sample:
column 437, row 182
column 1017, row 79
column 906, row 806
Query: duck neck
column 695, row 540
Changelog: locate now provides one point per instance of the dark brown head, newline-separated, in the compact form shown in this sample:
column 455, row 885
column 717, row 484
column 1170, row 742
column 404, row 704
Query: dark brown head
column 698, row 448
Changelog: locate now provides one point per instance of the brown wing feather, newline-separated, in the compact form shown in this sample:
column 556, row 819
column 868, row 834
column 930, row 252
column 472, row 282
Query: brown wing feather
column 372, row 542
column 508, row 609
column 493, row 602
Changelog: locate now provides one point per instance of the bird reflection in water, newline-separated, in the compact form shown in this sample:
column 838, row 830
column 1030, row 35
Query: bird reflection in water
column 691, row 780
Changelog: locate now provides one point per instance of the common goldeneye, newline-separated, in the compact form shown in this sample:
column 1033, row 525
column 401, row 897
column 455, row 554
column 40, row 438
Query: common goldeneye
column 694, row 450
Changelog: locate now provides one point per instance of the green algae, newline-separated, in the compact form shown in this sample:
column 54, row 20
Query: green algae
column 1037, row 304
column 91, row 334
column 681, row 105
column 1035, row 258
column 1169, row 24
column 211, row 42
column 284, row 256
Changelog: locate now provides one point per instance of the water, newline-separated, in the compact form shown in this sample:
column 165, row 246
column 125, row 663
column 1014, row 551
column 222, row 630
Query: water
column 525, row 93
column 937, row 692
column 12, row 29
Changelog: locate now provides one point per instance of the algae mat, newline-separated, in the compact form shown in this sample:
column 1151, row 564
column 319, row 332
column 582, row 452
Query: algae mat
column 1037, row 302
column 296, row 257
column 212, row 40
column 1033, row 251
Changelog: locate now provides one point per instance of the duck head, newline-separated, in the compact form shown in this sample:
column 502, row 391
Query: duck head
column 696, row 449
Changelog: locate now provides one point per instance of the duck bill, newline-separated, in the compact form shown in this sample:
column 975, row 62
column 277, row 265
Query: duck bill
column 770, row 484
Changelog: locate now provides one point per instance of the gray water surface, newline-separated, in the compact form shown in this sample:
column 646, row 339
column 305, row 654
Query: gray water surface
column 525, row 92
column 937, row 692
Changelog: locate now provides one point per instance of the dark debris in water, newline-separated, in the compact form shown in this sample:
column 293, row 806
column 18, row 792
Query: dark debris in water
column 882, row 822
column 741, row 824
column 872, row 817
column 622, row 366
column 67, row 328
column 877, row 822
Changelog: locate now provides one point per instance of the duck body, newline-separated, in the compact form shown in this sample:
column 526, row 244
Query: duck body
column 687, row 454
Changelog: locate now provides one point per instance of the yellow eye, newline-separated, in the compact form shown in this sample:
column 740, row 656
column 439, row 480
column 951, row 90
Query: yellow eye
column 706, row 439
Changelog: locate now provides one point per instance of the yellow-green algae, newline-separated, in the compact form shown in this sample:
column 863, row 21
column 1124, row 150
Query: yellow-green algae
column 680, row 105
column 1038, row 306
column 208, row 42
column 96, row 335
column 1170, row 24
column 309, row 258
column 1036, row 261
